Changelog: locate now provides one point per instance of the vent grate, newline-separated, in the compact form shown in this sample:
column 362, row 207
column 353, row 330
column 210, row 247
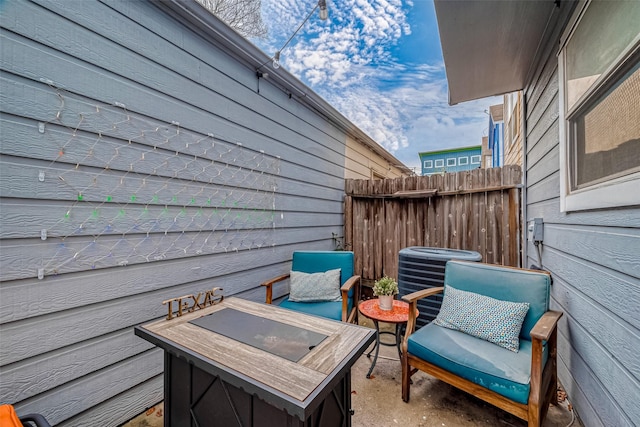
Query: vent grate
column 422, row 267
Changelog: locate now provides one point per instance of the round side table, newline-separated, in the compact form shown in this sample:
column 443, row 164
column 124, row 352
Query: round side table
column 398, row 315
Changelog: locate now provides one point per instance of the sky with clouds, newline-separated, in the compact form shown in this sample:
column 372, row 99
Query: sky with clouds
column 379, row 63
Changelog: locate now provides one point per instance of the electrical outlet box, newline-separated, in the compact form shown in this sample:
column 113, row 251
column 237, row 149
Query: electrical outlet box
column 535, row 230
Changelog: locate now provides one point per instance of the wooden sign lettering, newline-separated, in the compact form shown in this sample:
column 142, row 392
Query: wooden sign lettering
column 189, row 303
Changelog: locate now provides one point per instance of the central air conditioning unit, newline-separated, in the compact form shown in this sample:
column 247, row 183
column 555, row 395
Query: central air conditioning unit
column 421, row 267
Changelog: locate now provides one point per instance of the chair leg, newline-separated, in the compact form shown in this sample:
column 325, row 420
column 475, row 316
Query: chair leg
column 406, row 377
column 534, row 416
column 553, row 386
column 353, row 316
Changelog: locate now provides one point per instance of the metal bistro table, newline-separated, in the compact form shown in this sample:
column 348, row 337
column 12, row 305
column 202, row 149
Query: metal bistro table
column 241, row 363
column 399, row 315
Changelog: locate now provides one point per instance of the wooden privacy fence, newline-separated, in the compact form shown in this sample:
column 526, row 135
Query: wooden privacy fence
column 476, row 210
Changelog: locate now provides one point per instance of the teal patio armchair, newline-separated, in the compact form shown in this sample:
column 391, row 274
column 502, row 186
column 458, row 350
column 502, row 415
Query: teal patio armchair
column 313, row 273
column 494, row 338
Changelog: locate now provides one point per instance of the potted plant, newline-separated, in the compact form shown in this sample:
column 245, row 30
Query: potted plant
column 385, row 289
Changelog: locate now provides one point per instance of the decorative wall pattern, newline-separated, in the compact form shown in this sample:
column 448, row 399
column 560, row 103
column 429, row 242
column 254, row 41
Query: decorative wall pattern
column 144, row 191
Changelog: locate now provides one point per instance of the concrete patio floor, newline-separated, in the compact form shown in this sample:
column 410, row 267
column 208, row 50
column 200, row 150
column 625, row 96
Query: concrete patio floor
column 377, row 401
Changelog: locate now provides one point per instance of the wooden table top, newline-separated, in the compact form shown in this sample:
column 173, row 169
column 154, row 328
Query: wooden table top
column 344, row 343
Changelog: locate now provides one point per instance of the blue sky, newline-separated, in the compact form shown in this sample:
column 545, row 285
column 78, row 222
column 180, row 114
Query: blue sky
column 379, row 63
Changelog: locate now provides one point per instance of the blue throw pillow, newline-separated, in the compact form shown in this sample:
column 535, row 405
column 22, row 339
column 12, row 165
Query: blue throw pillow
column 313, row 287
column 483, row 317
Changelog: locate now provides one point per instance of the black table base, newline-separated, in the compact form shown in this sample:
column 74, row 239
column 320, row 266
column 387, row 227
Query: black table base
column 378, row 343
column 196, row 398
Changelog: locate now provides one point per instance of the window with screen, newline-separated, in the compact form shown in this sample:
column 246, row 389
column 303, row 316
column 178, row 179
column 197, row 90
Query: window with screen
column 599, row 65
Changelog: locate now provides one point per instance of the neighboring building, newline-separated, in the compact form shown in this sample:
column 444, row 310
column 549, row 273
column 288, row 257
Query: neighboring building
column 487, row 154
column 513, row 128
column 495, row 141
column 503, row 145
column 143, row 158
column 578, row 66
column 365, row 159
column 451, row 160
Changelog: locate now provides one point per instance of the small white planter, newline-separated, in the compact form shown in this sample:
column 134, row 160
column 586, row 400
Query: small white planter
column 385, row 302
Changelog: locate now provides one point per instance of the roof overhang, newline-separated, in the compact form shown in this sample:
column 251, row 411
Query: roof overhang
column 490, row 46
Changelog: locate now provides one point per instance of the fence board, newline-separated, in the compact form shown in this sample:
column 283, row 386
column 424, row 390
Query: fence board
column 475, row 210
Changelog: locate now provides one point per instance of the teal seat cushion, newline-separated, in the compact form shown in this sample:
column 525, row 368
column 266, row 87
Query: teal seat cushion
column 481, row 362
column 330, row 310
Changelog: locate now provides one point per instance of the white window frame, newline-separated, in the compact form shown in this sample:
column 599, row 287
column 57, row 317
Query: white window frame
column 476, row 160
column 616, row 192
column 451, row 162
column 466, row 160
column 439, row 163
column 428, row 164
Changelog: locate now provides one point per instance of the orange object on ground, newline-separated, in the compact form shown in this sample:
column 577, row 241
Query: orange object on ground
column 8, row 417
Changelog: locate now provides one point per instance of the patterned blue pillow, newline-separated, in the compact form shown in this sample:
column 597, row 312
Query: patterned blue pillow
column 310, row 287
column 483, row 317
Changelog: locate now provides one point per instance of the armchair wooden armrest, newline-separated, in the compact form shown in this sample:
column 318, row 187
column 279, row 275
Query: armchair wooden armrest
column 412, row 299
column 415, row 296
column 545, row 326
column 344, row 291
column 269, row 285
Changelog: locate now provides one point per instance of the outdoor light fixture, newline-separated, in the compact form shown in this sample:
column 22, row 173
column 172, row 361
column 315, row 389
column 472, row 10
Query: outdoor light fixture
column 324, row 13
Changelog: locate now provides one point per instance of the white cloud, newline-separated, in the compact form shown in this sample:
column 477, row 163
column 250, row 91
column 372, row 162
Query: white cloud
column 413, row 116
column 359, row 32
column 348, row 61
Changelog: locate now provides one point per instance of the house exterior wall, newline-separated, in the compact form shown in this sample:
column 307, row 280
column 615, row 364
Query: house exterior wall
column 496, row 135
column 496, row 143
column 594, row 260
column 487, row 160
column 362, row 162
column 141, row 159
column 454, row 160
column 512, row 128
